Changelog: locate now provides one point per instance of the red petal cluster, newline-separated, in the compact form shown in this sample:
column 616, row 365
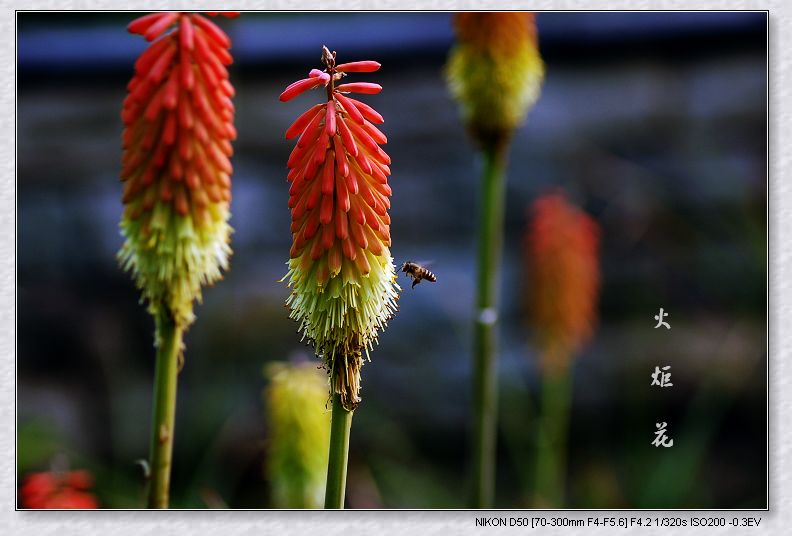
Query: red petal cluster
column 54, row 490
column 339, row 195
column 178, row 116
column 562, row 257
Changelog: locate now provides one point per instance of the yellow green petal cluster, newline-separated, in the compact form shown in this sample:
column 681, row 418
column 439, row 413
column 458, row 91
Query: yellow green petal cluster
column 299, row 434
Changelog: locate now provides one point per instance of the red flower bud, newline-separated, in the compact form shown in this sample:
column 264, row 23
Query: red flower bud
column 360, row 87
column 358, row 67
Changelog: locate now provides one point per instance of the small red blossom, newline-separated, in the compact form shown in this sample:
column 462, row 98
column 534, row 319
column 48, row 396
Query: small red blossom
column 58, row 490
column 227, row 14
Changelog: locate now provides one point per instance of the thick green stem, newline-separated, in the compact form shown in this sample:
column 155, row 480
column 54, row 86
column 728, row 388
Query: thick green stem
column 169, row 342
column 340, row 427
column 552, row 438
column 485, row 364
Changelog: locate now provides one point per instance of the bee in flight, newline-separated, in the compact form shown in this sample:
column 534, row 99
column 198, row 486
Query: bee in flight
column 417, row 272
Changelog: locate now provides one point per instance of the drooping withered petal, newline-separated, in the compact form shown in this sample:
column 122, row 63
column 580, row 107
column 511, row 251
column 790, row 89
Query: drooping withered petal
column 178, row 127
column 340, row 269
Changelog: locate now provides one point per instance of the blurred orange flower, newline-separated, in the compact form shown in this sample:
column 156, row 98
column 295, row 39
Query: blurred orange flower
column 495, row 71
column 561, row 254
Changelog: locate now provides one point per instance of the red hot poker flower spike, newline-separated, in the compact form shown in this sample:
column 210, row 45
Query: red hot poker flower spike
column 341, row 272
column 178, row 119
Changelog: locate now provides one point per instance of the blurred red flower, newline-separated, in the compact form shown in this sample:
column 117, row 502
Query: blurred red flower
column 58, row 490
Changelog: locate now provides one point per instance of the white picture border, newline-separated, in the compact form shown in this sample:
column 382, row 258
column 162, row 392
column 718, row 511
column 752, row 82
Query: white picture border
column 777, row 520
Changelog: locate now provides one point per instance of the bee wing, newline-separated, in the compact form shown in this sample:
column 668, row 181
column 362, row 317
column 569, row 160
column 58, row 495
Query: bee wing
column 425, row 264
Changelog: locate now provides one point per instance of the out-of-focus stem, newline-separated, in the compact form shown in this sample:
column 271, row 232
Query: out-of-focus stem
column 552, row 438
column 340, row 427
column 169, row 340
column 485, row 364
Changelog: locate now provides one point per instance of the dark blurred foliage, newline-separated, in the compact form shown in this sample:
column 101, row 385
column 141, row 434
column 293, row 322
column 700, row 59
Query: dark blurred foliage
column 654, row 123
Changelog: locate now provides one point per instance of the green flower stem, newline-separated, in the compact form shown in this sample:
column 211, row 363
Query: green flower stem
column 485, row 364
column 340, row 427
column 169, row 343
column 553, row 429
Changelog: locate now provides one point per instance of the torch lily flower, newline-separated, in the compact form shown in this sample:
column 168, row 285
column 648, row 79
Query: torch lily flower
column 340, row 268
column 495, row 72
column 178, row 119
column 561, row 253
column 562, row 257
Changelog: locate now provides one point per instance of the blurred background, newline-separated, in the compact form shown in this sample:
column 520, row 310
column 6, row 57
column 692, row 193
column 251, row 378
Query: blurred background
column 654, row 123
